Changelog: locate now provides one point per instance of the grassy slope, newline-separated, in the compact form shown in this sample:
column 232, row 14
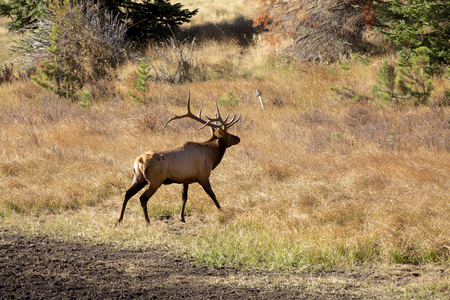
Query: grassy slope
column 315, row 183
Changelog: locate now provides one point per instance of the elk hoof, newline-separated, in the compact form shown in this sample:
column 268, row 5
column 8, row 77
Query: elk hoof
column 182, row 220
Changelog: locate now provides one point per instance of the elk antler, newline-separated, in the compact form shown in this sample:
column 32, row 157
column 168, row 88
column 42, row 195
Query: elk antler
column 211, row 121
column 189, row 114
column 224, row 123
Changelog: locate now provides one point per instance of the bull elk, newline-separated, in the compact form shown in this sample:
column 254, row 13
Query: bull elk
column 185, row 164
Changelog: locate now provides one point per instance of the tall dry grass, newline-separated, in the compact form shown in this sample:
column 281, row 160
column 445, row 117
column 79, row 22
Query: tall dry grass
column 316, row 182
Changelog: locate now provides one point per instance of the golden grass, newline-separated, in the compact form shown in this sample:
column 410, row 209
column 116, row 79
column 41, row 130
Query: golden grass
column 216, row 11
column 316, row 182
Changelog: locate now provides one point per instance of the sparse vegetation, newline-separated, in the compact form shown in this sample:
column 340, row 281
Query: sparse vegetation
column 314, row 184
column 172, row 61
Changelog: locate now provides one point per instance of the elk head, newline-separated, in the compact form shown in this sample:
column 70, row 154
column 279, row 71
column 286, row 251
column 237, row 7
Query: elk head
column 219, row 126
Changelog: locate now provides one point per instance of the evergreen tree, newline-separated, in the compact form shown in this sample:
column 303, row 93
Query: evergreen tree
column 146, row 19
column 386, row 82
column 408, row 80
column 414, row 79
column 149, row 19
column 144, row 76
column 22, row 13
column 415, row 23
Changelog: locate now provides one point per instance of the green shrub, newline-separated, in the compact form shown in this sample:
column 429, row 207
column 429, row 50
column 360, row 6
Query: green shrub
column 346, row 93
column 230, row 100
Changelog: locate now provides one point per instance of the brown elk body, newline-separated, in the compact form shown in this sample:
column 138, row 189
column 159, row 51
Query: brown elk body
column 186, row 164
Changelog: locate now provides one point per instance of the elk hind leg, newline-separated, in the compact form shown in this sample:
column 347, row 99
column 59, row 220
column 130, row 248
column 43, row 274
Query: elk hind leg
column 145, row 197
column 136, row 187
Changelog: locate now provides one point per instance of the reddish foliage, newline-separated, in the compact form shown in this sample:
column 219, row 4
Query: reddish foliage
column 369, row 14
column 318, row 20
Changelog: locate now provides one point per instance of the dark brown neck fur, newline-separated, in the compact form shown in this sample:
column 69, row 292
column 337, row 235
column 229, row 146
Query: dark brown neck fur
column 217, row 146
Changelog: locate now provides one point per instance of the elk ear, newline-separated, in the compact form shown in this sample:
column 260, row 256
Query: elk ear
column 219, row 133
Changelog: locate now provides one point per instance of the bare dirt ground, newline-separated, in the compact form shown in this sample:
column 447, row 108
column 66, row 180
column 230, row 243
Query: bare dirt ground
column 45, row 268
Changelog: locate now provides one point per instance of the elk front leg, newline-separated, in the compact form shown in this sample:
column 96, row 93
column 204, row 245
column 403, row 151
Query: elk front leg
column 136, row 187
column 207, row 187
column 184, row 193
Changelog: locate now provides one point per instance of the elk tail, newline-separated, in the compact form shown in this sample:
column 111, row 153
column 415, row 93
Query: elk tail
column 139, row 174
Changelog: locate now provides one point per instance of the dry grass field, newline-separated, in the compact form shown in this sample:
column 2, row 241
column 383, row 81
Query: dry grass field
column 217, row 12
column 316, row 183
